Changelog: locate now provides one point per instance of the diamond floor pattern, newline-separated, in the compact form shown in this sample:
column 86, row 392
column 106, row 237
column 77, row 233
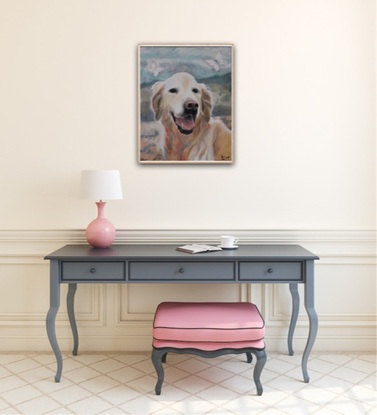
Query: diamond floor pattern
column 115, row 383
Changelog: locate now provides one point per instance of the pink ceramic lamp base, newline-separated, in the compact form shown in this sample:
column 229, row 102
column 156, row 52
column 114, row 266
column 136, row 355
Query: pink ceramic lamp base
column 100, row 233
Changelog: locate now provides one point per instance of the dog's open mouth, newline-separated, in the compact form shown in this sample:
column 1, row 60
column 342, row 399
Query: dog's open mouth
column 185, row 124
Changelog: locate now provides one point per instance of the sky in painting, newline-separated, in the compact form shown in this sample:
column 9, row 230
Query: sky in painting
column 158, row 63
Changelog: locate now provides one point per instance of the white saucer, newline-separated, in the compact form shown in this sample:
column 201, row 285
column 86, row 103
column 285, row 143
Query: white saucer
column 228, row 247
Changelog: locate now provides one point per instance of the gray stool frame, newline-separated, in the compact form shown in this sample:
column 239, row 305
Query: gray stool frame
column 159, row 357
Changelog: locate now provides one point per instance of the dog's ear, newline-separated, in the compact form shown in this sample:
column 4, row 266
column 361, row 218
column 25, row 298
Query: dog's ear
column 206, row 103
column 157, row 89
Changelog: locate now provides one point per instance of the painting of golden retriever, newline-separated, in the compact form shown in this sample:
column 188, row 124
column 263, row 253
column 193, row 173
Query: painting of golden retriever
column 185, row 104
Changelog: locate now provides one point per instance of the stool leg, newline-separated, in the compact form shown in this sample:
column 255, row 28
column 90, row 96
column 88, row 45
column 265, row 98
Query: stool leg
column 261, row 361
column 157, row 356
column 249, row 357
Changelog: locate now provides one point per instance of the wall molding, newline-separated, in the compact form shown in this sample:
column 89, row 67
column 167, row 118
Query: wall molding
column 177, row 235
column 341, row 243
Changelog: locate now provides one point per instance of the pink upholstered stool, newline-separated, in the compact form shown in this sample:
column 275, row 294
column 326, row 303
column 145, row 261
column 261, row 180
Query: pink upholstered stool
column 208, row 330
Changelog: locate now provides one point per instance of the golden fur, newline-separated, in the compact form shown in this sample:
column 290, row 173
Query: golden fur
column 184, row 108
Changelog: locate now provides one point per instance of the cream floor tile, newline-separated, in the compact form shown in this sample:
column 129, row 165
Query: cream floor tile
column 145, row 366
column 339, row 359
column 144, row 385
column 362, row 394
column 126, row 374
column 280, row 366
column 168, row 411
column 6, row 359
column 114, row 383
column 108, row 365
column 99, row 384
column 3, row 404
column 193, row 405
column 11, row 382
column 171, row 395
column 173, row 374
column 286, row 384
column 316, row 395
column 362, row 365
column 192, row 365
column 4, row 372
column 332, row 384
column 193, row 384
column 90, row 405
column 119, row 395
column 348, row 374
column 20, row 395
column 328, row 411
column 68, row 364
column 245, row 404
column 241, row 384
column 370, row 381
column 293, row 405
column 41, row 405
column 217, row 394
column 346, row 406
column 22, row 365
column 81, row 374
column 142, row 405
column 36, row 374
column 48, row 385
column 270, row 396
column 70, row 395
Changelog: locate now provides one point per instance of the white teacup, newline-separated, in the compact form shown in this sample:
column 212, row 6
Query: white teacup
column 228, row 241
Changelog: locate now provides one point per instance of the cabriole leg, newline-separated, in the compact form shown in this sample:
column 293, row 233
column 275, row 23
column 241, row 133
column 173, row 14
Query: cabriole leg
column 51, row 317
column 313, row 319
column 293, row 288
column 261, row 361
column 157, row 356
column 71, row 315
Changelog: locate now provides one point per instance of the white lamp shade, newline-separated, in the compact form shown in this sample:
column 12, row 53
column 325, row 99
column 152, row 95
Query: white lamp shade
column 100, row 185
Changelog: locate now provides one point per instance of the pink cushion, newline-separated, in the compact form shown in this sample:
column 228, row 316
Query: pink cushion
column 208, row 326
column 208, row 346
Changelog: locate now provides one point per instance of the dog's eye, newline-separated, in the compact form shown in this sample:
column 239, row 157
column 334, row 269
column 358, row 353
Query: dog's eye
column 173, row 90
column 195, row 90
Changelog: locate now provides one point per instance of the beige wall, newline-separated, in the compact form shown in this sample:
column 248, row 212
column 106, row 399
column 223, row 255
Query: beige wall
column 305, row 155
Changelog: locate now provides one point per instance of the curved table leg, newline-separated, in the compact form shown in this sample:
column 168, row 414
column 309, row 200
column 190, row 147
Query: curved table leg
column 71, row 315
column 51, row 316
column 312, row 315
column 293, row 288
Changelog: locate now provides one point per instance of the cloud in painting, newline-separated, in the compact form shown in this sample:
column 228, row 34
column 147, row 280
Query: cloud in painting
column 157, row 63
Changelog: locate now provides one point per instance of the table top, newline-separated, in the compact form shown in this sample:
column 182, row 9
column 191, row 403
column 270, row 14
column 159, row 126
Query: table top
column 169, row 252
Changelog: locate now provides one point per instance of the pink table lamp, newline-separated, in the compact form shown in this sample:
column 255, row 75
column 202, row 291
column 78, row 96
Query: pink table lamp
column 100, row 185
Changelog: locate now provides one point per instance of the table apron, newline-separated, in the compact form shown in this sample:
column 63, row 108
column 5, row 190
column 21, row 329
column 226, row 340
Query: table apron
column 134, row 271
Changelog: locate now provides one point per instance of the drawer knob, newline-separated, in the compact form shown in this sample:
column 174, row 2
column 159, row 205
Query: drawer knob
column 181, row 270
column 270, row 270
column 92, row 270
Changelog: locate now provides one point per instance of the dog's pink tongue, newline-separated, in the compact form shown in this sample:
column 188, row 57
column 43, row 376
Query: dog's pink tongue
column 186, row 123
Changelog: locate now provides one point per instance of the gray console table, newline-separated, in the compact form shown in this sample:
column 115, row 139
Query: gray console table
column 262, row 264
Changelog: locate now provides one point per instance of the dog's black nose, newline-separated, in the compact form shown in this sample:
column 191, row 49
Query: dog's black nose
column 191, row 105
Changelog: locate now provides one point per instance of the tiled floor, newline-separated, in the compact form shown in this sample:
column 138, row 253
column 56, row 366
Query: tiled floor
column 124, row 384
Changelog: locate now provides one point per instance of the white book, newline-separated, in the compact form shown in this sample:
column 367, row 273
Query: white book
column 198, row 248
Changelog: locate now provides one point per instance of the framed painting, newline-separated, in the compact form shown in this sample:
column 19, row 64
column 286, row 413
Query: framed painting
column 185, row 104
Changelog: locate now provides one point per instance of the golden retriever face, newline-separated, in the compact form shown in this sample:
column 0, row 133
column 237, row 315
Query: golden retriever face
column 181, row 103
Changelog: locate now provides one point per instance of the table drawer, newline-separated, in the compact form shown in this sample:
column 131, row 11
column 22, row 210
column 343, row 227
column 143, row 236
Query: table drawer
column 92, row 271
column 181, row 271
column 270, row 271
